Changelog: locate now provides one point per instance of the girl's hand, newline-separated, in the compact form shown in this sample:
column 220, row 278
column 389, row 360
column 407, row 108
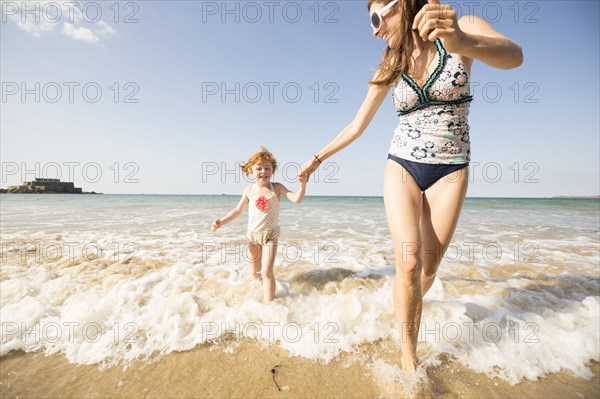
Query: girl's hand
column 215, row 225
column 435, row 21
column 308, row 168
column 303, row 178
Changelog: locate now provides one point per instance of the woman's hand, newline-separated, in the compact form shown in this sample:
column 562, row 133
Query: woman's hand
column 303, row 178
column 307, row 169
column 435, row 21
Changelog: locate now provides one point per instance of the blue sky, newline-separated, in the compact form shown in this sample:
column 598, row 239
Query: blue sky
column 190, row 88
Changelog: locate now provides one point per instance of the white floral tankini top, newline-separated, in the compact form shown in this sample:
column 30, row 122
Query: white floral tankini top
column 433, row 126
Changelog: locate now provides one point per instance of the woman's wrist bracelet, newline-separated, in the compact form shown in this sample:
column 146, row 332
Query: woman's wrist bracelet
column 318, row 160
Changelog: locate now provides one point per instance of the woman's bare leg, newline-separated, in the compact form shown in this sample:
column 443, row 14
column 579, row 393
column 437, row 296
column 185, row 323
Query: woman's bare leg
column 442, row 203
column 403, row 206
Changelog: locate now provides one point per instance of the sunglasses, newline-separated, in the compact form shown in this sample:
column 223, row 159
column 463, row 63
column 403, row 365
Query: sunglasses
column 377, row 16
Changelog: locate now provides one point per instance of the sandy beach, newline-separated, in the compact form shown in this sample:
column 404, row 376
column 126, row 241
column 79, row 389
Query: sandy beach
column 253, row 371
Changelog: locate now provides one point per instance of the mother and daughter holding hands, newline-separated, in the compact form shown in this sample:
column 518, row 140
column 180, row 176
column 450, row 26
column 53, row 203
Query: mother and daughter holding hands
column 426, row 65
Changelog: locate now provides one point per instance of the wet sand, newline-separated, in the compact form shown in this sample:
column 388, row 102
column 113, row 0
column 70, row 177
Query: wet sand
column 251, row 371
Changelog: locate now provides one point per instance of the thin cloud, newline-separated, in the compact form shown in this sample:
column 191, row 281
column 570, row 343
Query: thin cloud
column 82, row 34
column 39, row 17
column 104, row 29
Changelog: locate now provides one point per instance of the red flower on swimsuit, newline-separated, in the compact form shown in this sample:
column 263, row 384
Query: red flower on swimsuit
column 262, row 203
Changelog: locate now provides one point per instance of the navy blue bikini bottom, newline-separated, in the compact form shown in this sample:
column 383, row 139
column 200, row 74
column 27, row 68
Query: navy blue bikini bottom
column 426, row 174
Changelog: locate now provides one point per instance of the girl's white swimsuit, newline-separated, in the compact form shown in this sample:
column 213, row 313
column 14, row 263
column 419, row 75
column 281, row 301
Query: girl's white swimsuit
column 263, row 218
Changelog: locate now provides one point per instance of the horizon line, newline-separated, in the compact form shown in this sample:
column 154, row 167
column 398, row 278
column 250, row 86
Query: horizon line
column 324, row 195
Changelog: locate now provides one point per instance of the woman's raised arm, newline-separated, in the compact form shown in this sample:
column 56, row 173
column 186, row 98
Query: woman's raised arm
column 484, row 43
column 471, row 36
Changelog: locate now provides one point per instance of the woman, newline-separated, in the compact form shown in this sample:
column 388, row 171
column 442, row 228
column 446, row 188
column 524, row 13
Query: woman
column 427, row 65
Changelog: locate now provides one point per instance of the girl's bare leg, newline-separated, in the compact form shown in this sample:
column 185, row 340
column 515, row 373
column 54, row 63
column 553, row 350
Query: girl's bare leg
column 268, row 260
column 255, row 256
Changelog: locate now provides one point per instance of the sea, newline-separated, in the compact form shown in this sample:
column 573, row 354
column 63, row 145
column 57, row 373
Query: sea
column 110, row 281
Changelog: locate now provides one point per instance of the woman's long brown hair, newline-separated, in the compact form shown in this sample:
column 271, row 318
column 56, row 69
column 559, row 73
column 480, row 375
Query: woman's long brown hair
column 396, row 61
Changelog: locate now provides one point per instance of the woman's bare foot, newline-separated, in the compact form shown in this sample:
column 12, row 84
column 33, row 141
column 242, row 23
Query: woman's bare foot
column 408, row 363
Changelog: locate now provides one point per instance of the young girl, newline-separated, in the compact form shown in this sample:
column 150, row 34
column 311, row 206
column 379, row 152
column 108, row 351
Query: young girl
column 263, row 216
